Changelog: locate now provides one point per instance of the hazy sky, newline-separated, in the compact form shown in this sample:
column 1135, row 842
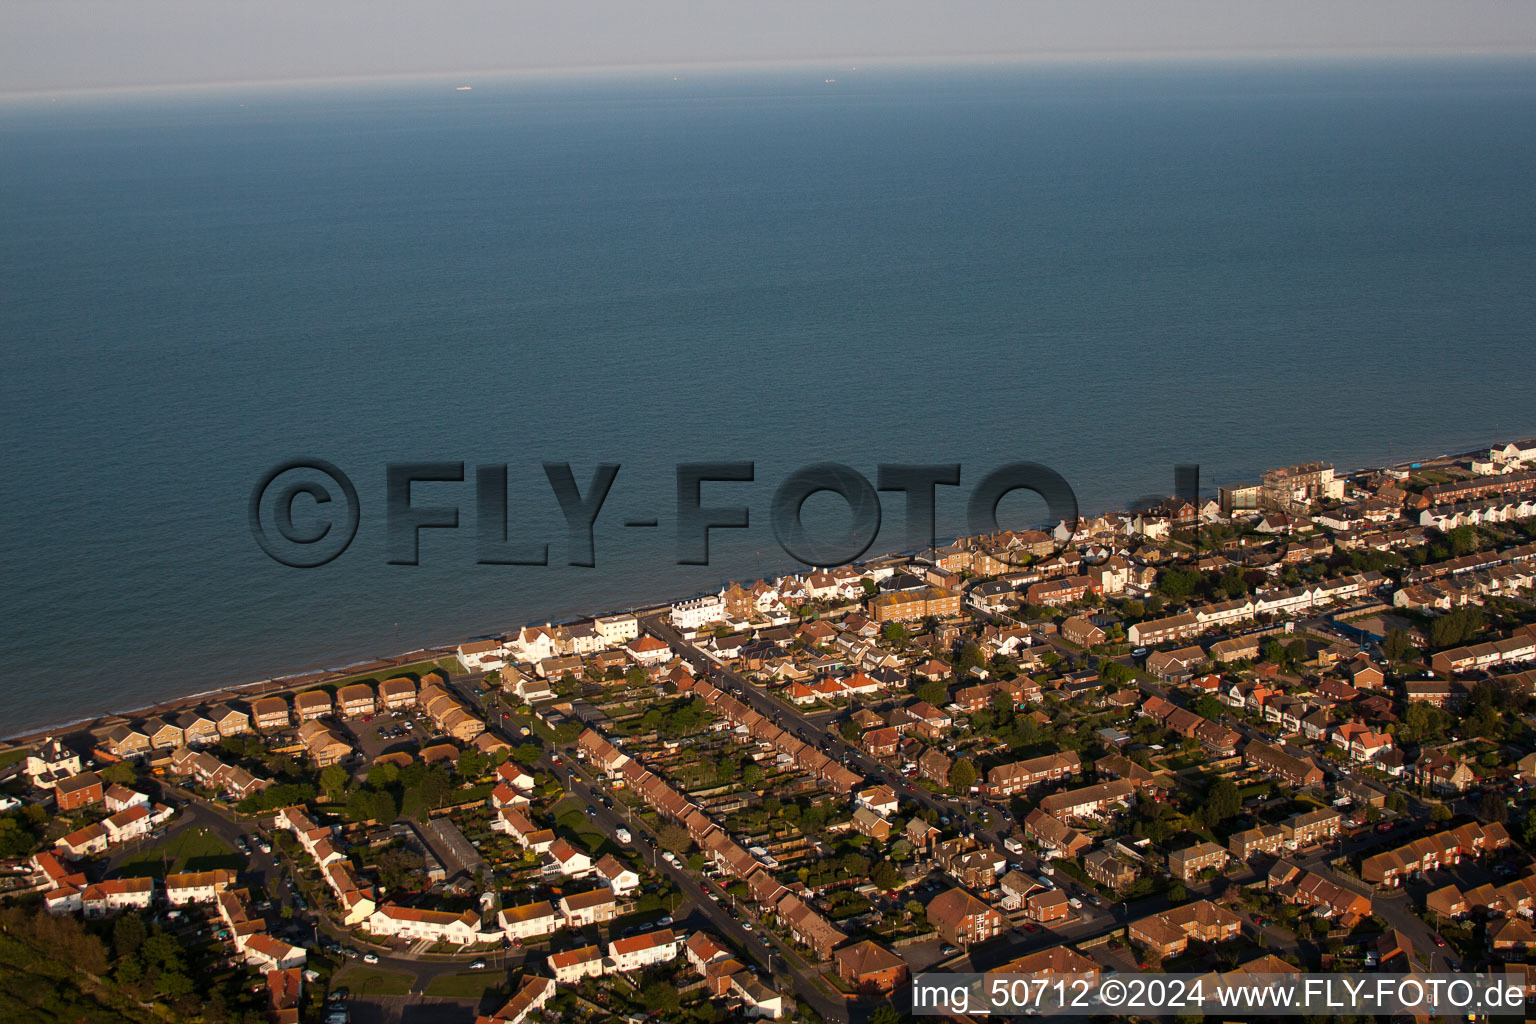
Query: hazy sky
column 50, row 45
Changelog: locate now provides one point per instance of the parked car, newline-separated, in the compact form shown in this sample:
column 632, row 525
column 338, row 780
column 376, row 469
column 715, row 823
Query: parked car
column 478, row 965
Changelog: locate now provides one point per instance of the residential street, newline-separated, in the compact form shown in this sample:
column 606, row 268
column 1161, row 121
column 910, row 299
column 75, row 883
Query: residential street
column 699, row 910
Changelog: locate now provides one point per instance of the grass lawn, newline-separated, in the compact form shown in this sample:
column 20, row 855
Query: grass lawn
column 10, row 757
column 191, row 849
column 370, row 981
column 529, row 721
column 570, row 814
column 447, row 666
column 473, row 985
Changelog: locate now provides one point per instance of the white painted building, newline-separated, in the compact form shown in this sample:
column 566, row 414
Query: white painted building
column 435, row 925
column 529, row 921
column 616, row 630
column 693, row 615
column 115, row 894
column 640, row 951
column 574, row 964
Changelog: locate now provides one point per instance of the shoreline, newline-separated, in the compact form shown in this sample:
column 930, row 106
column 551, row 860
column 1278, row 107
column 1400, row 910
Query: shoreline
column 234, row 691
column 319, row 676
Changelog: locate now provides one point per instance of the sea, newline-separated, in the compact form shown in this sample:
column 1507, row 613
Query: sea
column 1107, row 268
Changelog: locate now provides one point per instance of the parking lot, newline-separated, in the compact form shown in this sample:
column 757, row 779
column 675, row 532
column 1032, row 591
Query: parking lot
column 388, row 732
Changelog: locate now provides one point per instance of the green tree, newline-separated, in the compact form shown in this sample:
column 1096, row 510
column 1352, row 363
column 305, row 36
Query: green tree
column 129, row 973
column 120, row 772
column 884, row 1015
column 1222, row 801
column 333, row 781
column 385, row 808
column 849, row 730
column 934, row 692
column 128, row 935
column 675, row 838
column 660, row 998
column 1424, row 721
column 1492, row 807
column 1456, row 627
column 1439, row 813
column 435, row 786
column 162, row 952
column 1207, row 706
column 752, row 775
column 962, row 775
column 725, row 768
column 1463, row 540
column 385, row 773
column 360, row 805
column 1178, row 584
column 1482, row 720
column 970, row 657
column 16, row 840
column 471, row 763
column 1397, row 645
column 895, row 632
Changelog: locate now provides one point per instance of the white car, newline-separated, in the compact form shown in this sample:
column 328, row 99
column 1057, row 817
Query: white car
column 622, row 835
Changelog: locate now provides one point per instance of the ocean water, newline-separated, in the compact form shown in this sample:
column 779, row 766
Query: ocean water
column 1104, row 268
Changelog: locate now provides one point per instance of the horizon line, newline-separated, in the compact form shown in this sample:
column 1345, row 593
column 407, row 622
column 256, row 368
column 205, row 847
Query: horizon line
column 567, row 71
